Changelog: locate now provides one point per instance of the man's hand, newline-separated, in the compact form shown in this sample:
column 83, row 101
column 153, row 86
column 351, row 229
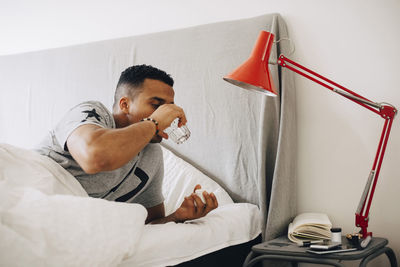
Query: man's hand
column 165, row 114
column 192, row 207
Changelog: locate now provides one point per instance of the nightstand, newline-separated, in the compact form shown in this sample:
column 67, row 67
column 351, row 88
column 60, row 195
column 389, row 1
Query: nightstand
column 282, row 249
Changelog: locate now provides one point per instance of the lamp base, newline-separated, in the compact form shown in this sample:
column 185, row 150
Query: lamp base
column 358, row 240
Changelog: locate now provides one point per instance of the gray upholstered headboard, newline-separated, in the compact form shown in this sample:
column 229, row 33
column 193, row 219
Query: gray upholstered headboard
column 244, row 140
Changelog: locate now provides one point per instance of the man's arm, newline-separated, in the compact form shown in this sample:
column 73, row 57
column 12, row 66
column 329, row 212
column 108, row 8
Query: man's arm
column 98, row 149
column 191, row 208
column 155, row 214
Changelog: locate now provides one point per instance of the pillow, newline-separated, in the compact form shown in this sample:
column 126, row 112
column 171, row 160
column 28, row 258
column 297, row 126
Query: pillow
column 180, row 178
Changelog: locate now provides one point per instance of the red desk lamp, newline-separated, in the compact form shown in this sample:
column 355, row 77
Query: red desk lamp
column 254, row 74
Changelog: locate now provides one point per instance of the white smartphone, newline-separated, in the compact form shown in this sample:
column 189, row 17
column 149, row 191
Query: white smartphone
column 325, row 246
column 322, row 252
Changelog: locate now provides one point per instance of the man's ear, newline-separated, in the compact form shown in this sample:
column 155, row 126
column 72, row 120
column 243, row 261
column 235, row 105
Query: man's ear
column 124, row 105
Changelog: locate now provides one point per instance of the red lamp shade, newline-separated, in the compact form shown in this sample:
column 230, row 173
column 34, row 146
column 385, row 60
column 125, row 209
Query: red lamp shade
column 254, row 73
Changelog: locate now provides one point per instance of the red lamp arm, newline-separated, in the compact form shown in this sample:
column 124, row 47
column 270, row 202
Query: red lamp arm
column 386, row 111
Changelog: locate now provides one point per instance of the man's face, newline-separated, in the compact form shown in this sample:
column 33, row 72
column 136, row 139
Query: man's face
column 154, row 94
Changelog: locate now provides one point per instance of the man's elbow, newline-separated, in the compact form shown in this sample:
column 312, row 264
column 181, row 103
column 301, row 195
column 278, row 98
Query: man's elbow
column 95, row 162
column 89, row 169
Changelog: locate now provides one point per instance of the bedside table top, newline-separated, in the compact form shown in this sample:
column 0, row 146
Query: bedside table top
column 284, row 247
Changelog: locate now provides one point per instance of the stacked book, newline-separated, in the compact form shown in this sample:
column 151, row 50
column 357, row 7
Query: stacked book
column 310, row 227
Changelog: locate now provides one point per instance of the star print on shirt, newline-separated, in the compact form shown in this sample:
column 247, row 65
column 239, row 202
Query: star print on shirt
column 90, row 114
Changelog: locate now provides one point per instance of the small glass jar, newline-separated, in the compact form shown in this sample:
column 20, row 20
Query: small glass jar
column 336, row 235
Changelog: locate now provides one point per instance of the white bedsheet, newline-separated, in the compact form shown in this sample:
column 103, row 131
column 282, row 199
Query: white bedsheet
column 230, row 224
column 170, row 244
column 46, row 219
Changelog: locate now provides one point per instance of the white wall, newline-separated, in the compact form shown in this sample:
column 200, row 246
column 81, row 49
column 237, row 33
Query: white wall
column 352, row 42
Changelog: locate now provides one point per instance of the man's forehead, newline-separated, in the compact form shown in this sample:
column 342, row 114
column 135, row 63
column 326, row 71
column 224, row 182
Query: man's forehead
column 158, row 90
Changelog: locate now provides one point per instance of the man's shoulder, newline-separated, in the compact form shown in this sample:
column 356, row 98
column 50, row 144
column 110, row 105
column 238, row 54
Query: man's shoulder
column 92, row 109
column 94, row 104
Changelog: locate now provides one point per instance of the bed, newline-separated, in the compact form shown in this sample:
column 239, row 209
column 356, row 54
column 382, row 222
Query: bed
column 242, row 148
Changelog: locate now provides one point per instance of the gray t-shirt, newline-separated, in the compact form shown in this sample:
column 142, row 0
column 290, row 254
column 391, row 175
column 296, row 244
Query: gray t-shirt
column 138, row 181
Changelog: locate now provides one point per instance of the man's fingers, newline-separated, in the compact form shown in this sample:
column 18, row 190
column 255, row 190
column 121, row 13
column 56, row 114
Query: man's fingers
column 163, row 135
column 196, row 187
column 189, row 202
column 209, row 201
column 166, row 113
column 199, row 204
column 182, row 120
column 214, row 199
column 193, row 207
column 181, row 115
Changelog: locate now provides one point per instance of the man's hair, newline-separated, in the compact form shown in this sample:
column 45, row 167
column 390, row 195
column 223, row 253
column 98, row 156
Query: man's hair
column 131, row 81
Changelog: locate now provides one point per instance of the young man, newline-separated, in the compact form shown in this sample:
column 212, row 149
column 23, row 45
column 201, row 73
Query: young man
column 116, row 156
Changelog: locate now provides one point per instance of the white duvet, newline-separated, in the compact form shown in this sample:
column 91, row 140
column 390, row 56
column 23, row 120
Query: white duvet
column 47, row 219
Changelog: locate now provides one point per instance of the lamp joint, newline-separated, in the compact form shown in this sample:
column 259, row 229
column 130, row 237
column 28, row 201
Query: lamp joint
column 388, row 111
